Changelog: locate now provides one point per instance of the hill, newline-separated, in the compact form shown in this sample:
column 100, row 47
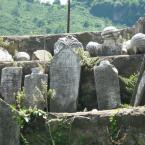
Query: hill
column 22, row 17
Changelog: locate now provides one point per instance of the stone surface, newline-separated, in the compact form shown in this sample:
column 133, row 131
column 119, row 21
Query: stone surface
column 22, row 56
column 91, row 128
column 11, row 80
column 138, row 94
column 94, row 48
column 64, row 79
column 107, row 86
column 42, row 55
column 4, row 55
column 73, row 43
column 34, row 86
column 9, row 129
column 140, row 25
column 138, row 42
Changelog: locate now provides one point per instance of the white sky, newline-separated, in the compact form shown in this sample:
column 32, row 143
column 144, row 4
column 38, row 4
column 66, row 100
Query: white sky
column 63, row 2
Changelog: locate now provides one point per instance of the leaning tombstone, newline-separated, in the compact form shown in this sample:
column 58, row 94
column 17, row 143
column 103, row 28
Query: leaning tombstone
column 68, row 40
column 107, row 86
column 34, row 86
column 64, row 80
column 11, row 80
column 9, row 129
column 138, row 97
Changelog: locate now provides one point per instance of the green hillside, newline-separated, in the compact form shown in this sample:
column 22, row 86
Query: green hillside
column 22, row 17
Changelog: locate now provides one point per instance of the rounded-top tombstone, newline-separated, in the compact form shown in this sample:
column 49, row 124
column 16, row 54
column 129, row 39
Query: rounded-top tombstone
column 64, row 80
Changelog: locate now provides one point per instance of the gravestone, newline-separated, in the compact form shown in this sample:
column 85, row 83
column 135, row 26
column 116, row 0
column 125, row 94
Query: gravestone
column 34, row 86
column 138, row 97
column 9, row 129
column 64, row 80
column 112, row 41
column 107, row 86
column 11, row 80
column 68, row 40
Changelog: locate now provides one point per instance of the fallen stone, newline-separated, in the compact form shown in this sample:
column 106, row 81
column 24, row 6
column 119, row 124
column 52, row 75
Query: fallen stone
column 22, row 56
column 4, row 55
column 42, row 55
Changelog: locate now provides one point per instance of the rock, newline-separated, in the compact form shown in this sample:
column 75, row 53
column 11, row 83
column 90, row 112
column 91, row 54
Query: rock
column 11, row 80
column 9, row 129
column 107, row 86
column 94, row 49
column 34, row 87
column 112, row 41
column 4, row 55
column 65, row 71
column 127, row 47
column 138, row 43
column 22, row 56
column 138, row 94
column 42, row 55
column 70, row 41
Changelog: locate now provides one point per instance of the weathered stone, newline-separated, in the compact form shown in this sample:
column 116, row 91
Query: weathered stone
column 138, row 43
column 22, row 56
column 138, row 94
column 94, row 48
column 64, row 79
column 126, row 46
column 4, row 55
column 42, row 55
column 9, row 129
column 11, row 80
column 140, row 25
column 35, row 90
column 112, row 41
column 68, row 40
column 107, row 86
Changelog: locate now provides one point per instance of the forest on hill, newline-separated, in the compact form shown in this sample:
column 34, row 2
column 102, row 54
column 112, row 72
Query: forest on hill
column 22, row 17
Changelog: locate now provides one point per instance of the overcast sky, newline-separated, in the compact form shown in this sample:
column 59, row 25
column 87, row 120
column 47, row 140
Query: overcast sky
column 63, row 2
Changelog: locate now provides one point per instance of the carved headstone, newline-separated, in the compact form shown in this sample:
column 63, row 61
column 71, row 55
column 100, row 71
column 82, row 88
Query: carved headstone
column 11, row 80
column 9, row 129
column 68, row 40
column 112, row 42
column 107, row 86
column 34, row 86
column 64, row 79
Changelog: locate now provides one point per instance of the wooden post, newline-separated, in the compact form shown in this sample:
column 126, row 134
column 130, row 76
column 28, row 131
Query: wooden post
column 68, row 17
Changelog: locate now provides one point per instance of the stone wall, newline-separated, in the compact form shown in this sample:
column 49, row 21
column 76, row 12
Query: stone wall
column 112, row 127
column 30, row 44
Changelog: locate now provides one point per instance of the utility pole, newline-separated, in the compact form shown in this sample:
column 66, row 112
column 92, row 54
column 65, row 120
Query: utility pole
column 68, row 17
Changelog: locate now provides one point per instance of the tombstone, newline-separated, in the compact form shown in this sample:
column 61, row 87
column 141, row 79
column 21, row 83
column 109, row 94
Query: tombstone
column 34, row 86
column 68, row 40
column 138, row 97
column 11, row 80
column 64, row 79
column 9, row 129
column 107, row 86
column 112, row 42
column 94, row 49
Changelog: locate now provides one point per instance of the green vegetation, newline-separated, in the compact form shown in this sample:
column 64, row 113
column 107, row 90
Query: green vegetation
column 127, row 87
column 30, row 17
